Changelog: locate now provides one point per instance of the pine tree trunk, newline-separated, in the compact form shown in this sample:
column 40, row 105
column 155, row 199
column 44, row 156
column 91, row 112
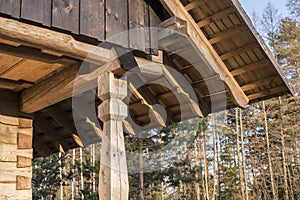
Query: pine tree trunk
column 275, row 197
column 61, row 178
column 205, row 165
column 93, row 164
column 215, row 157
column 73, row 179
column 141, row 170
column 283, row 152
column 244, row 157
column 81, row 172
column 239, row 152
column 196, row 164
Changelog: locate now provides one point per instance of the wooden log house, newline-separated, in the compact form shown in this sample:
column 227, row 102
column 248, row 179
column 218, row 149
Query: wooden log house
column 44, row 42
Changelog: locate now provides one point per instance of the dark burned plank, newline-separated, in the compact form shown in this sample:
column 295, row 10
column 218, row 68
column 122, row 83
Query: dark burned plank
column 65, row 15
column 136, row 24
column 117, row 22
column 10, row 7
column 92, row 18
column 33, row 10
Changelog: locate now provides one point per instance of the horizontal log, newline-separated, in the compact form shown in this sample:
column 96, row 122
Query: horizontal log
column 8, row 191
column 41, row 38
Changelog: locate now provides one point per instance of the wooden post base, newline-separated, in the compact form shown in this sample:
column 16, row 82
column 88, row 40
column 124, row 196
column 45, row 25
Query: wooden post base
column 15, row 158
column 113, row 183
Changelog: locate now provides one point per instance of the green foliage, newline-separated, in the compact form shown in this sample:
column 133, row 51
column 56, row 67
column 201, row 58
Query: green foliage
column 46, row 176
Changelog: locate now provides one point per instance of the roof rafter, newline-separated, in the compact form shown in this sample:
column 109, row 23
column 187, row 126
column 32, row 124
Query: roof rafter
column 208, row 53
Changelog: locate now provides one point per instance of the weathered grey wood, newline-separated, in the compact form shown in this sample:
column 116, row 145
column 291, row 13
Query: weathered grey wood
column 113, row 181
column 33, row 10
column 147, row 25
column 117, row 22
column 6, row 7
column 92, row 18
column 137, row 22
column 16, row 9
column 47, row 13
column 154, row 24
column 65, row 15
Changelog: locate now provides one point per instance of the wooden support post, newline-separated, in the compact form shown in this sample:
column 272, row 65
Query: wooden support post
column 113, row 182
column 15, row 158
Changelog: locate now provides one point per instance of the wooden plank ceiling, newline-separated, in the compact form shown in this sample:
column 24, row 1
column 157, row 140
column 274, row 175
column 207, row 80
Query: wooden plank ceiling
column 227, row 29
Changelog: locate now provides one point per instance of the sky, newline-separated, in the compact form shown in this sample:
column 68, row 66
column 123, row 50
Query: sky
column 259, row 5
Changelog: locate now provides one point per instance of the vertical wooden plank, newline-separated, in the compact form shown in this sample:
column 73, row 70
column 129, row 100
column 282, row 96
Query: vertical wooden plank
column 117, row 22
column 47, row 14
column 6, row 6
column 16, row 9
column 136, row 24
column 92, row 18
column 32, row 10
column 147, row 25
column 65, row 15
column 154, row 23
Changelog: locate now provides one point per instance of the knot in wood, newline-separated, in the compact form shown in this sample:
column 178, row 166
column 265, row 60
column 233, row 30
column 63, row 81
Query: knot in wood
column 69, row 8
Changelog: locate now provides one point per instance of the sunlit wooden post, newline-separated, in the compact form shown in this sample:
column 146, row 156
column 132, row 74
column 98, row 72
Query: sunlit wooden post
column 113, row 183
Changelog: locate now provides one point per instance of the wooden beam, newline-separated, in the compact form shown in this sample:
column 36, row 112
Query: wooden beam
column 250, row 67
column 59, row 86
column 260, row 83
column 216, row 16
column 41, row 38
column 157, row 117
column 49, row 91
column 177, row 89
column 194, row 4
column 266, row 93
column 228, row 33
column 238, row 51
column 206, row 51
column 12, row 85
column 35, row 54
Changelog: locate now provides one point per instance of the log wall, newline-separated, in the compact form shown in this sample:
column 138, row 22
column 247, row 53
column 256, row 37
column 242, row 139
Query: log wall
column 97, row 19
column 15, row 149
column 15, row 158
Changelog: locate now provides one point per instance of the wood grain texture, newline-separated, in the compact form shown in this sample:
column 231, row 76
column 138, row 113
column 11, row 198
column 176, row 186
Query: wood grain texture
column 24, row 140
column 136, row 19
column 117, row 22
column 65, row 15
column 113, row 181
column 92, row 18
column 33, row 10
